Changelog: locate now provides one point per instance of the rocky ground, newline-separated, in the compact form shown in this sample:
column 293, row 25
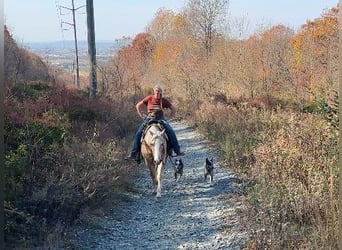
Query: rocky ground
column 191, row 214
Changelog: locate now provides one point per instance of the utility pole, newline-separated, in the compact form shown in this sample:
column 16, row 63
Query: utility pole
column 75, row 36
column 91, row 49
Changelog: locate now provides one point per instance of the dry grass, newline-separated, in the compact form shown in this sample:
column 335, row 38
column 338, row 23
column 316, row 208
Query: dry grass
column 297, row 174
column 292, row 160
column 64, row 154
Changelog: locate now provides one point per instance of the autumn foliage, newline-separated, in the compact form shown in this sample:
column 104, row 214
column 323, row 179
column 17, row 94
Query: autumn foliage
column 263, row 98
column 61, row 150
column 269, row 100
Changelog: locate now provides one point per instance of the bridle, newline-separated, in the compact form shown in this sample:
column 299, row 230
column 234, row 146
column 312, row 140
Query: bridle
column 163, row 143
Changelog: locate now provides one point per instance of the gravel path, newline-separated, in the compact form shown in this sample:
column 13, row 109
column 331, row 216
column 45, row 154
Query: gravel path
column 191, row 214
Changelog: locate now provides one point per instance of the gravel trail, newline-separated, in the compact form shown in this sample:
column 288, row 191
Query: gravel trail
column 191, row 214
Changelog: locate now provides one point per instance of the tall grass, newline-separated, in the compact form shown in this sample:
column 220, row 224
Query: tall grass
column 292, row 159
column 63, row 154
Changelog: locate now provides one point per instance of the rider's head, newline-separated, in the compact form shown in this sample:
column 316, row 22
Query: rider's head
column 157, row 91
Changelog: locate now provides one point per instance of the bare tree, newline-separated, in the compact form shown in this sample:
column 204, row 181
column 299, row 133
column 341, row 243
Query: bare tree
column 206, row 17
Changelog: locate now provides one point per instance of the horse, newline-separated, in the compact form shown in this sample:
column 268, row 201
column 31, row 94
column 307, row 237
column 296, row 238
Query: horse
column 154, row 151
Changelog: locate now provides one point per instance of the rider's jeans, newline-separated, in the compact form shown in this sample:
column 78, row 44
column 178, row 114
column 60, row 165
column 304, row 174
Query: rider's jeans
column 169, row 131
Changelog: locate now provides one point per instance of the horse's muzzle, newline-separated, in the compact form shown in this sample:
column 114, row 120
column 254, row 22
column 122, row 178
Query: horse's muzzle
column 157, row 162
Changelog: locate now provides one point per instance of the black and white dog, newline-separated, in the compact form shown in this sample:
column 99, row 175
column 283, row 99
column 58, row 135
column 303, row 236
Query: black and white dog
column 178, row 167
column 209, row 169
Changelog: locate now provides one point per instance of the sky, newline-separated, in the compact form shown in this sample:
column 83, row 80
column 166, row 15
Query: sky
column 40, row 20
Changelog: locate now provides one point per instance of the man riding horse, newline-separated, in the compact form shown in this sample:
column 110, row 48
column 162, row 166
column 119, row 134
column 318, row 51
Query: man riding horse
column 155, row 104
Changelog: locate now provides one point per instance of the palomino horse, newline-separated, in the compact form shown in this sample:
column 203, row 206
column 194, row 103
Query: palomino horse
column 154, row 151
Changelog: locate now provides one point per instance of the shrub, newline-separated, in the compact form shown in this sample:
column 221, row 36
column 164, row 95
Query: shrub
column 61, row 155
column 82, row 113
column 16, row 165
column 329, row 109
column 236, row 131
column 291, row 160
column 30, row 90
column 297, row 174
column 29, row 152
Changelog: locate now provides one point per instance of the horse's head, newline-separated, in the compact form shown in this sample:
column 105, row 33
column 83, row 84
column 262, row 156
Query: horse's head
column 158, row 145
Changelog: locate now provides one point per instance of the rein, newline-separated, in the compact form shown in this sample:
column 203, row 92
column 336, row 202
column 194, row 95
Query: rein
column 170, row 159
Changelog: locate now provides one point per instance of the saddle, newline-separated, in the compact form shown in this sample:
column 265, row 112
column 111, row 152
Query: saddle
column 160, row 125
column 150, row 123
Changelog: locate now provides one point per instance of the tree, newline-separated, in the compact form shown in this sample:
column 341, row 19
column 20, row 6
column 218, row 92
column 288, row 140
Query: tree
column 275, row 58
column 127, row 69
column 315, row 49
column 161, row 26
column 205, row 16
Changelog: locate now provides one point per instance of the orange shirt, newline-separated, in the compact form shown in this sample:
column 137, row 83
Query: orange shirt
column 154, row 104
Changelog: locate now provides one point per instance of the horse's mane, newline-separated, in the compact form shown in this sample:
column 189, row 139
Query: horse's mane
column 154, row 128
column 153, row 123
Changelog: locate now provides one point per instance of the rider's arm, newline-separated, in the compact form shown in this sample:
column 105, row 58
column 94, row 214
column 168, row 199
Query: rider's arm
column 173, row 111
column 138, row 107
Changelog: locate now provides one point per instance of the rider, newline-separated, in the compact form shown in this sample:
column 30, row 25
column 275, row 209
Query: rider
column 154, row 106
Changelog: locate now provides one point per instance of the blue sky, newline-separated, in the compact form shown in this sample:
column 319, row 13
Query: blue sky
column 39, row 20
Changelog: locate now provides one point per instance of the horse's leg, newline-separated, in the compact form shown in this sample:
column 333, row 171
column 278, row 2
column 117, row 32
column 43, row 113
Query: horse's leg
column 153, row 184
column 153, row 174
column 159, row 177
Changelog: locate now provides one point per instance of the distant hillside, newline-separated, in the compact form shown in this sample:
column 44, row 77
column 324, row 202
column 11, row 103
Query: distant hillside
column 52, row 61
column 20, row 64
column 62, row 53
column 70, row 45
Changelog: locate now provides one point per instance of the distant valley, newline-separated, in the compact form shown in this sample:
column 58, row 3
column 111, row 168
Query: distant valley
column 62, row 53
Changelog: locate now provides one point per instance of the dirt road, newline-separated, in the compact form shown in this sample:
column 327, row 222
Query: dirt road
column 191, row 214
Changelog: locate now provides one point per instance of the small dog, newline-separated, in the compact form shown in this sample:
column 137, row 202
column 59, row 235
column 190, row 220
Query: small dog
column 178, row 167
column 209, row 169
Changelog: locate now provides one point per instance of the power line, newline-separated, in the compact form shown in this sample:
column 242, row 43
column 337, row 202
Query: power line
column 59, row 17
column 73, row 25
